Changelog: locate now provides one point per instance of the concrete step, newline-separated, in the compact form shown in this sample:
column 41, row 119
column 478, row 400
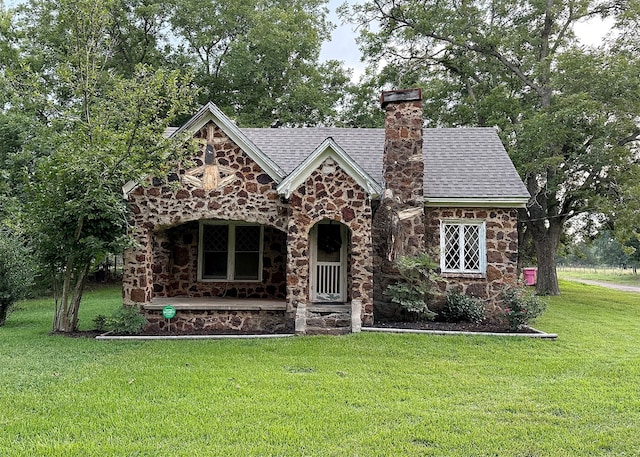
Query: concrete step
column 327, row 319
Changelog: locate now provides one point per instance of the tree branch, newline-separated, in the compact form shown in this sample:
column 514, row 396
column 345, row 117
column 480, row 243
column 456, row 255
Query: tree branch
column 635, row 136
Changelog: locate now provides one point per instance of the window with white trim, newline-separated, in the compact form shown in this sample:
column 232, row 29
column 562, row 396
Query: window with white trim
column 463, row 246
column 230, row 251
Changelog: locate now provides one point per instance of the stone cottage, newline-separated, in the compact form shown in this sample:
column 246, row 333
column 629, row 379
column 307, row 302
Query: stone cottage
column 282, row 230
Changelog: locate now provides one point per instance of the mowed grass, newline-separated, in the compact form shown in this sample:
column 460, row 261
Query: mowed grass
column 616, row 276
column 360, row 395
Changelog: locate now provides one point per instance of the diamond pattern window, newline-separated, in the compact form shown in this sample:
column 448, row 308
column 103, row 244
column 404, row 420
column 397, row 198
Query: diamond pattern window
column 230, row 252
column 462, row 246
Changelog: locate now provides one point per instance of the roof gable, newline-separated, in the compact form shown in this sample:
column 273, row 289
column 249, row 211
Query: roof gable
column 211, row 113
column 328, row 149
column 463, row 166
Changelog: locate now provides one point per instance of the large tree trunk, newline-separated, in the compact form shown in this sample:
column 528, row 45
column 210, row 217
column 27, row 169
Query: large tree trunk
column 547, row 278
column 546, row 240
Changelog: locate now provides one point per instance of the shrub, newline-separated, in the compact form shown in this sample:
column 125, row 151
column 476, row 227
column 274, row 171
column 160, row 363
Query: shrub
column 520, row 306
column 463, row 308
column 127, row 320
column 100, row 321
column 417, row 284
column 16, row 272
column 411, row 299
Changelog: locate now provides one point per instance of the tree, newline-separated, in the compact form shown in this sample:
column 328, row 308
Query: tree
column 566, row 113
column 259, row 60
column 103, row 130
column 361, row 106
column 139, row 33
column 16, row 272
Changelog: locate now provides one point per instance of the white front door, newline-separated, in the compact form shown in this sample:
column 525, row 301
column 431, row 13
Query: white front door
column 328, row 262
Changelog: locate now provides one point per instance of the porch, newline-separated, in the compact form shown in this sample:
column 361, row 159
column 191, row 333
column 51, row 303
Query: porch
column 224, row 315
column 232, row 315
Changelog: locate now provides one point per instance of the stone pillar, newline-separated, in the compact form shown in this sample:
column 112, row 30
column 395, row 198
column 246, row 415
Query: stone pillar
column 399, row 222
column 297, row 261
column 356, row 316
column 137, row 281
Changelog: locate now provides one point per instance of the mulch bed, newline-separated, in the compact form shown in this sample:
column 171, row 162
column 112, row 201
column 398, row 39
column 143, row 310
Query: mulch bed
column 492, row 327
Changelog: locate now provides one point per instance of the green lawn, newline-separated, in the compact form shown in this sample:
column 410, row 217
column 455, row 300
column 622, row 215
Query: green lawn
column 359, row 395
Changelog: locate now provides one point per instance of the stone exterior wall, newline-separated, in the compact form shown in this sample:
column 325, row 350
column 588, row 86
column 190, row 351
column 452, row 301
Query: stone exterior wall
column 194, row 321
column 329, row 193
column 175, row 267
column 502, row 251
column 244, row 192
column 226, row 184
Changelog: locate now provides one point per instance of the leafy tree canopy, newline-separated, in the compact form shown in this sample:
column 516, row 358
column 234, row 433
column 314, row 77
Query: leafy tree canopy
column 98, row 129
column 568, row 114
column 259, row 60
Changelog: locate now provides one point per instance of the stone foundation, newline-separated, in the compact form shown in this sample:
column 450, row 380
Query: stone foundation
column 220, row 321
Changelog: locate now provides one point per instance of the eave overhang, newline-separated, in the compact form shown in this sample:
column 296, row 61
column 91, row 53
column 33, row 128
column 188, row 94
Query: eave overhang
column 477, row 202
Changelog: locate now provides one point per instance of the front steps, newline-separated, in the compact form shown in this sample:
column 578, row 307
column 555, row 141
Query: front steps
column 328, row 319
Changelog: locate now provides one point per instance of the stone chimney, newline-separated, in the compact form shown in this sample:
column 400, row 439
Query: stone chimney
column 399, row 222
column 403, row 164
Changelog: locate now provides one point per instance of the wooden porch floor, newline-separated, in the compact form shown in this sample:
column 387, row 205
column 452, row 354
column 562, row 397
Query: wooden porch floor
column 217, row 303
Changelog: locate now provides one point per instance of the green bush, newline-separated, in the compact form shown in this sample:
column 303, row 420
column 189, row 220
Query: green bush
column 411, row 299
column 127, row 320
column 17, row 272
column 100, row 321
column 463, row 308
column 417, row 285
column 520, row 306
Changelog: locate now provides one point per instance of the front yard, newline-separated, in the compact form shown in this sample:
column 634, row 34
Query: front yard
column 364, row 394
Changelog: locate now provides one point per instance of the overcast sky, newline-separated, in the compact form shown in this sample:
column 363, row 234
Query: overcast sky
column 343, row 45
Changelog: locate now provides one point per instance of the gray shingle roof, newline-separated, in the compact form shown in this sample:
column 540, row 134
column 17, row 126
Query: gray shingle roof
column 469, row 162
column 459, row 162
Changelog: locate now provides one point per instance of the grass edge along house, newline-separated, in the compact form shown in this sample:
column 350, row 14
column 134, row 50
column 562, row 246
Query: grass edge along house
column 297, row 229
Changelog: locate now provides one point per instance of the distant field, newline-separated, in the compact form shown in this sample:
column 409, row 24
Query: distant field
column 605, row 274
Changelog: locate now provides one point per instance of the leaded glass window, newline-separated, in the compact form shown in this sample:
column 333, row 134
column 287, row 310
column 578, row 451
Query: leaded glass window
column 230, row 252
column 462, row 246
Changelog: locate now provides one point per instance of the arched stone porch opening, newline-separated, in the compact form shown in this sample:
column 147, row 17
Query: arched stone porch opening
column 329, row 271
